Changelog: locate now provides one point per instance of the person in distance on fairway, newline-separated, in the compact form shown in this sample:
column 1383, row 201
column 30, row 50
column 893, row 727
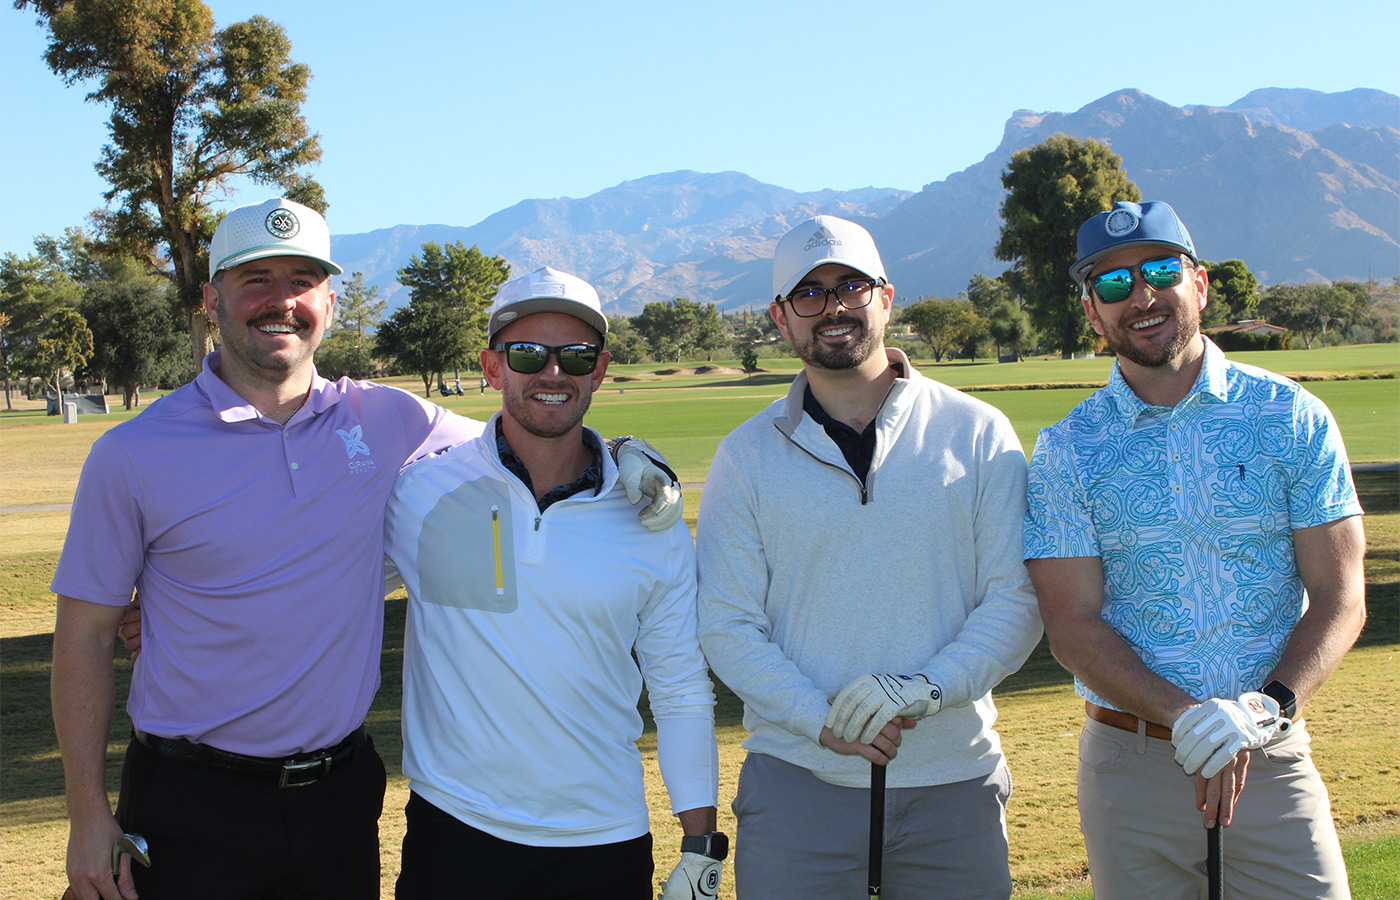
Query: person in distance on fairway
column 860, row 568
column 246, row 511
column 1195, row 540
column 531, row 586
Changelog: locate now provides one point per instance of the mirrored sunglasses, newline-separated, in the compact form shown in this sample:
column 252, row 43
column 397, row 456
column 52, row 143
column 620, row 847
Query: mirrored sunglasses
column 528, row 357
column 1159, row 274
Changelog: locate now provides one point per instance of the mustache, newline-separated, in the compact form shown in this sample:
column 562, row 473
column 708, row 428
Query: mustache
column 829, row 321
column 276, row 318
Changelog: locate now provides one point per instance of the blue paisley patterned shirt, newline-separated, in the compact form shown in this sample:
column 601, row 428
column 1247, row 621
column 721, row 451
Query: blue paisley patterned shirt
column 1192, row 511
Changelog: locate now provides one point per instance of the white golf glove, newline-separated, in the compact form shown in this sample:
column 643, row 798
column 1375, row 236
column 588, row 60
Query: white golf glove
column 870, row 702
column 1208, row 736
column 695, row 877
column 642, row 477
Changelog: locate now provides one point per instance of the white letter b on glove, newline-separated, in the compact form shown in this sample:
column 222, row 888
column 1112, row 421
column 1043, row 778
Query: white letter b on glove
column 695, row 877
column 1208, row 736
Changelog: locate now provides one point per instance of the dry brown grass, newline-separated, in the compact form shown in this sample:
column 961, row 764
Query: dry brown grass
column 1352, row 720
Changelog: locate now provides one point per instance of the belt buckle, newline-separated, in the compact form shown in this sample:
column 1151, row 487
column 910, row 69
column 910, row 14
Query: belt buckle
column 289, row 769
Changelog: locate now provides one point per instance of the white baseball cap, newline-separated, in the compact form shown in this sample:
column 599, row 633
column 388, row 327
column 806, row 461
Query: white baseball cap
column 546, row 290
column 277, row 227
column 821, row 240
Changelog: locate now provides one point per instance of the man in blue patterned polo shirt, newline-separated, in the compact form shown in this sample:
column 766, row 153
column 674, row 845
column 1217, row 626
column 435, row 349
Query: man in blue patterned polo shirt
column 1195, row 540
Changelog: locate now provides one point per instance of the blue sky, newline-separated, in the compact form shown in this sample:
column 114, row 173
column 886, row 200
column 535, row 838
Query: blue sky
column 447, row 111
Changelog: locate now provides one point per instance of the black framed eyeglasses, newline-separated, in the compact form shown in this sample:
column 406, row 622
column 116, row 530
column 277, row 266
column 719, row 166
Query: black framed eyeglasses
column 529, row 357
column 1114, row 286
column 811, row 301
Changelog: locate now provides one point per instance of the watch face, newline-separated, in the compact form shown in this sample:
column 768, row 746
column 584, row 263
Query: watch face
column 1283, row 694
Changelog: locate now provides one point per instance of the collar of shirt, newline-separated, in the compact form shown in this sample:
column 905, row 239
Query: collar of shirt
column 1211, row 382
column 231, row 406
column 592, row 477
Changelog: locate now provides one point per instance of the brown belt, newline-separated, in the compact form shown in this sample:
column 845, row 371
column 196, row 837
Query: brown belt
column 1126, row 721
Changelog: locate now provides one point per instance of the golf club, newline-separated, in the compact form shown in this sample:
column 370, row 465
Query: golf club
column 877, row 826
column 134, row 846
column 1215, row 872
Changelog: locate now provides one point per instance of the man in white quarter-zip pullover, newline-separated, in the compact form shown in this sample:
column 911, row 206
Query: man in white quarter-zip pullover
column 860, row 569
column 531, row 584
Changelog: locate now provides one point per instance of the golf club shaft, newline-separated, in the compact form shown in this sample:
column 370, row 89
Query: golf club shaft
column 1215, row 871
column 877, row 826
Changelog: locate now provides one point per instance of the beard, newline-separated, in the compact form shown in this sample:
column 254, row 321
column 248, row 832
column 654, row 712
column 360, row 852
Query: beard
column 546, row 422
column 814, row 353
column 1187, row 319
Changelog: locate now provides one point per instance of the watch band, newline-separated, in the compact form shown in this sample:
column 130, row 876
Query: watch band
column 715, row 845
column 1283, row 694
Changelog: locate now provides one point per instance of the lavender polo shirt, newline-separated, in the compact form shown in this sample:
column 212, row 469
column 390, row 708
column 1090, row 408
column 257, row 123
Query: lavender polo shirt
column 258, row 554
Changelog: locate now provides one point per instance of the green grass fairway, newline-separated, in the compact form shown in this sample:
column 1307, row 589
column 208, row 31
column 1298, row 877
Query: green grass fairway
column 686, row 414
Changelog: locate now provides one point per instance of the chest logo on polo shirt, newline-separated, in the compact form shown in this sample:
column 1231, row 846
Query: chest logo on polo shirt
column 354, row 443
column 355, row 446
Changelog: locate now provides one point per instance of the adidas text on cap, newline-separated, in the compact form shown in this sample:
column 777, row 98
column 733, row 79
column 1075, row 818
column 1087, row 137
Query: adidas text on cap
column 277, row 227
column 821, row 240
column 1153, row 223
column 546, row 290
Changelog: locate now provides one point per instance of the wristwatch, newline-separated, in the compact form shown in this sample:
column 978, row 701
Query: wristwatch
column 715, row 845
column 1287, row 700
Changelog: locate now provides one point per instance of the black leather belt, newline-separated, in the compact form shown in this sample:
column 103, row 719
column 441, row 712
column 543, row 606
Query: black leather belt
column 292, row 771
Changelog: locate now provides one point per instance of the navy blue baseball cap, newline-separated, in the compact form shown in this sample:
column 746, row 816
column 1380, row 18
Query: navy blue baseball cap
column 1130, row 225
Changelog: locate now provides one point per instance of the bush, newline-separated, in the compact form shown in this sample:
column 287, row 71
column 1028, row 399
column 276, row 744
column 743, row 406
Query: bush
column 1241, row 340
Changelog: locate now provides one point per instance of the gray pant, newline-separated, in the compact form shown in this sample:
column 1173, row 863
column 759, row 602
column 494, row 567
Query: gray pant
column 800, row 838
column 1145, row 837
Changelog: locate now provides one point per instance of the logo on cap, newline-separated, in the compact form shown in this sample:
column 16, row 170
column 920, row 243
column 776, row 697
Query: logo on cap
column 547, row 289
column 1120, row 222
column 822, row 238
column 282, row 224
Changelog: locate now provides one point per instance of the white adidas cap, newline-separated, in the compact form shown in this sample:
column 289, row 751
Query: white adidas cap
column 546, row 290
column 278, row 227
column 821, row 240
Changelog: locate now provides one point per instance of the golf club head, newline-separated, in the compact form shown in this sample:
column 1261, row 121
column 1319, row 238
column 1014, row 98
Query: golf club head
column 134, row 846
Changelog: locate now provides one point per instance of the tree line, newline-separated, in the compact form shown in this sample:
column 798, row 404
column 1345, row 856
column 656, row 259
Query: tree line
column 194, row 106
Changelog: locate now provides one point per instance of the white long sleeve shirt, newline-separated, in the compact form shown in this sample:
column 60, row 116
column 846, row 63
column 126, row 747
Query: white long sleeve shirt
column 809, row 579
column 520, row 687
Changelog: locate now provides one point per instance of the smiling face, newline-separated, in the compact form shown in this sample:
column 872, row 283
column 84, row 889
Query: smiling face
column 272, row 314
column 838, row 338
column 549, row 403
column 1152, row 328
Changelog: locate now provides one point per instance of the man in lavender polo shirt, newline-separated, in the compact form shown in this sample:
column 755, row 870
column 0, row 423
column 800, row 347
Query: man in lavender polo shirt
column 245, row 510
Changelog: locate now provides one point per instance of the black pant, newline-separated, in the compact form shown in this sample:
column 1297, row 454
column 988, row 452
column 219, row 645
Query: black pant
column 447, row 859
column 225, row 837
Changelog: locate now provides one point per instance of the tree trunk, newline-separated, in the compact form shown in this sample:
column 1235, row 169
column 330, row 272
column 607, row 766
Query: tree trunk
column 201, row 341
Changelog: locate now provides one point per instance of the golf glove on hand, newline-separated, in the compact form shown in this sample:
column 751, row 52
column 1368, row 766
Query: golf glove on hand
column 695, row 877
column 642, row 476
column 1208, row 736
column 870, row 702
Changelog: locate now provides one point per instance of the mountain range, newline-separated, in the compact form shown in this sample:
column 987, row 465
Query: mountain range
column 1301, row 185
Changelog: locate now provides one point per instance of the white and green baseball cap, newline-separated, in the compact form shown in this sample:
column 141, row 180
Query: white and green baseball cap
column 277, row 227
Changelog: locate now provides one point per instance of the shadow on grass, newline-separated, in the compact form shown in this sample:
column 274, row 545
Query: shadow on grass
column 31, row 768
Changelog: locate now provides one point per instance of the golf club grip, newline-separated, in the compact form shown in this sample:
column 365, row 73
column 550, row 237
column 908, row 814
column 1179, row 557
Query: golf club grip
column 1215, row 871
column 877, row 826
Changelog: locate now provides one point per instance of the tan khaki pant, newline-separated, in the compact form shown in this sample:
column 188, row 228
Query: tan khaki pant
column 1145, row 836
